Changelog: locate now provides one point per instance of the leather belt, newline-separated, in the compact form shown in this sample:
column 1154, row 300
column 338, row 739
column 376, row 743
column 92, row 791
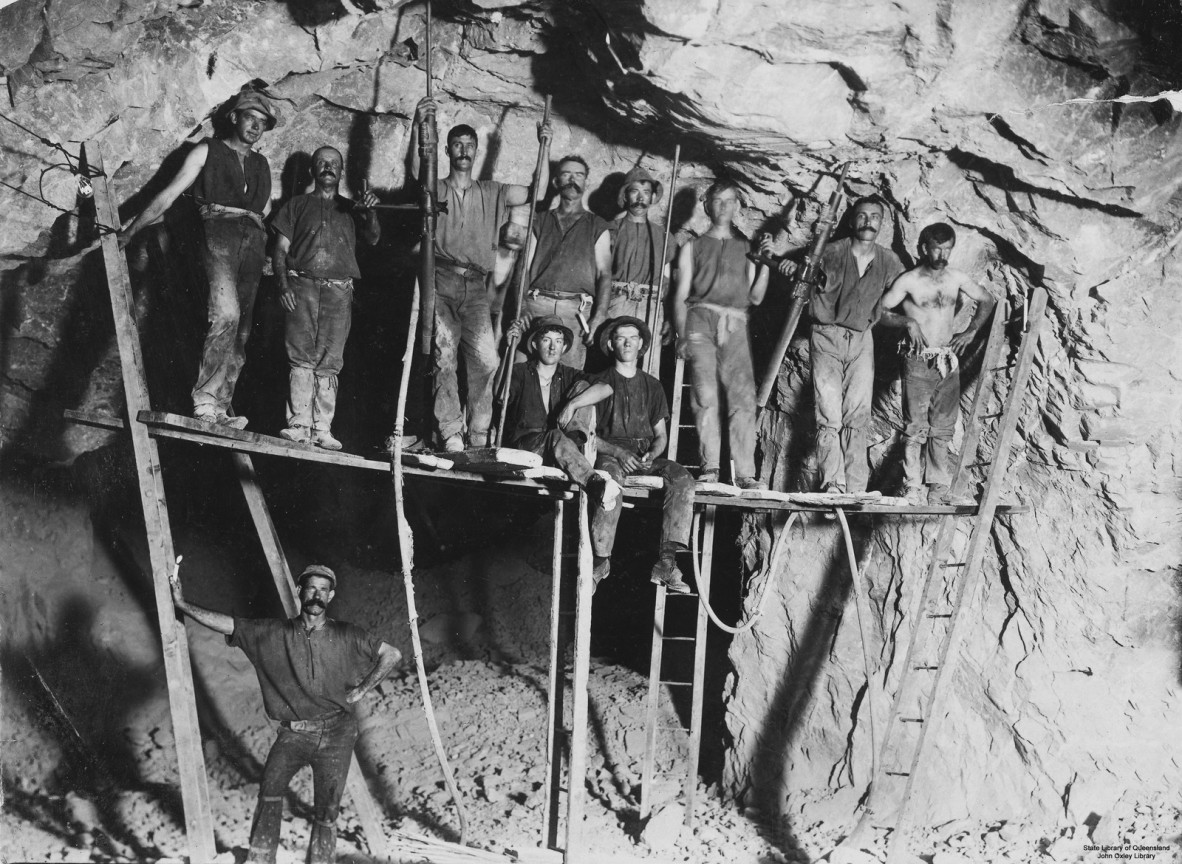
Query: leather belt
column 317, row 725
column 632, row 290
column 583, row 298
column 460, row 269
column 224, row 211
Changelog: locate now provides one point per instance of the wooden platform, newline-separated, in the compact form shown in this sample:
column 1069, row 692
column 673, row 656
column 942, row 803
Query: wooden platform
column 547, row 482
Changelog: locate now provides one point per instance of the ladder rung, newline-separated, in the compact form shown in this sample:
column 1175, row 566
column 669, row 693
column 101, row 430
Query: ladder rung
column 992, row 416
column 679, row 638
column 1002, row 368
column 925, row 668
column 938, row 615
column 677, row 683
column 953, row 564
column 978, row 465
column 678, row 728
column 911, row 719
column 897, row 773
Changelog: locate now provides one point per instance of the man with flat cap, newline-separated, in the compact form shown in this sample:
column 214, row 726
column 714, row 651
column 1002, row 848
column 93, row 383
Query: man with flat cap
column 636, row 247
column 632, row 427
column 312, row 671
column 231, row 185
column 547, row 411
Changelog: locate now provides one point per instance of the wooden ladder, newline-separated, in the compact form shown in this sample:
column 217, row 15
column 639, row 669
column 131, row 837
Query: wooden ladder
column 950, row 588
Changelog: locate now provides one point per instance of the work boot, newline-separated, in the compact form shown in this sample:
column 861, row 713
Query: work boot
column 708, row 475
column 206, row 414
column 225, row 419
column 298, row 434
column 665, row 573
column 478, row 439
column 324, row 408
column 750, row 483
column 454, row 444
column 323, row 438
column 916, row 494
column 939, row 493
column 301, row 387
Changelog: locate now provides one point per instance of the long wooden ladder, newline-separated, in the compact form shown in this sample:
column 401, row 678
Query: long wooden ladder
column 939, row 624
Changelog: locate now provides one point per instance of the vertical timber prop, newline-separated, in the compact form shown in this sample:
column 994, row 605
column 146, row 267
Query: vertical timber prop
column 178, row 671
column 655, row 316
column 406, row 552
column 429, row 181
column 576, row 780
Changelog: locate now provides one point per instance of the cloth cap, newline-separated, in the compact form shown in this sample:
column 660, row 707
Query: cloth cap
column 610, row 328
column 640, row 175
column 319, row 570
column 545, row 323
column 259, row 102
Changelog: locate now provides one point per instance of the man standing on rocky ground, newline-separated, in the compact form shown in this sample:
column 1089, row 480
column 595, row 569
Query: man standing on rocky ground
column 466, row 241
column 930, row 296
column 632, row 425
column 857, row 272
column 636, row 245
column 571, row 265
column 312, row 670
column 716, row 285
column 547, row 411
column 315, row 260
column 231, row 184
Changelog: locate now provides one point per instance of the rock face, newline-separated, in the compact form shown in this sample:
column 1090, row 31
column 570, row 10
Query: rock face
column 1067, row 691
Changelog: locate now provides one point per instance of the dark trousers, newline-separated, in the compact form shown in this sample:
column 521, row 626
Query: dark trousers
column 234, row 255
column 557, row 448
column 328, row 752
column 677, row 510
column 931, row 402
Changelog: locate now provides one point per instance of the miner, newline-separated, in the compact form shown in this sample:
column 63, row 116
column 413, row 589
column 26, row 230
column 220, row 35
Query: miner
column 856, row 273
column 231, row 185
column 571, row 268
column 466, row 240
column 716, row 285
column 547, row 411
column 312, row 670
column 930, row 296
column 632, row 428
column 315, row 260
column 636, row 243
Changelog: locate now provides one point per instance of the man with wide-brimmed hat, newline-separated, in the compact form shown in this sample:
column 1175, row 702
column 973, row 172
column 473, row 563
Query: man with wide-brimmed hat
column 636, row 246
column 312, row 670
column 231, row 185
column 632, row 428
column 547, row 411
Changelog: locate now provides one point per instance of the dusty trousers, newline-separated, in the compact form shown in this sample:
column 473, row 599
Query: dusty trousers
column 315, row 336
column 843, row 381
column 720, row 369
column 931, row 402
column 677, row 510
column 558, row 448
column 463, row 325
column 329, row 752
column 233, row 258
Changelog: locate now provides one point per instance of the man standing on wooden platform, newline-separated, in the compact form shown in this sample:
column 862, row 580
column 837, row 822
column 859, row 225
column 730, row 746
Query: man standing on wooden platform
column 716, row 285
column 466, row 241
column 636, row 247
column 571, row 266
column 632, row 426
column 312, row 670
column 315, row 260
column 547, row 409
column 930, row 296
column 231, row 185
column 845, row 308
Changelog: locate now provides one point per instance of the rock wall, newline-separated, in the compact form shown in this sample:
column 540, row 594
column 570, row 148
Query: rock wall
column 958, row 110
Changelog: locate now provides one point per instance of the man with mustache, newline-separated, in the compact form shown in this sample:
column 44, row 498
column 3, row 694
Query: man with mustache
column 315, row 260
column 571, row 267
column 636, row 245
column 930, row 296
column 545, row 412
column 466, row 241
column 857, row 272
column 312, row 670
column 231, row 184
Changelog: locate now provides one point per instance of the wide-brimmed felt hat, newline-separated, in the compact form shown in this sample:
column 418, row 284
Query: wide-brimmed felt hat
column 610, row 328
column 256, row 100
column 640, row 175
column 318, row 570
column 548, row 322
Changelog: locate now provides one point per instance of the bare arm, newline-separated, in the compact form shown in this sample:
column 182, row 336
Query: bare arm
column 985, row 304
column 371, row 230
column 685, row 278
column 279, row 265
column 184, row 178
column 660, row 439
column 895, row 295
column 592, row 395
column 218, row 621
column 757, row 276
column 517, row 194
column 426, row 105
column 603, row 284
column 388, row 657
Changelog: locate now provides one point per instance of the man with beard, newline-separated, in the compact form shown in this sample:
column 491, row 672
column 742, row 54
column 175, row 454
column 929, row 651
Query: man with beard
column 930, row 296
column 632, row 425
column 845, row 307
column 315, row 260
column 546, row 411
column 571, row 268
column 466, row 241
column 231, row 184
column 312, row 670
column 636, row 245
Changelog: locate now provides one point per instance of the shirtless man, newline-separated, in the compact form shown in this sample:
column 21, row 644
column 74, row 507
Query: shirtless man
column 930, row 296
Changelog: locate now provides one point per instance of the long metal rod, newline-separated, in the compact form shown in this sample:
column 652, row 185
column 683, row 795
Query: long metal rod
column 656, row 301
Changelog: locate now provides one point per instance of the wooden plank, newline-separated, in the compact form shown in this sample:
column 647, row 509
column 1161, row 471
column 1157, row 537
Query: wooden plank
column 178, row 671
column 554, row 688
column 700, row 635
column 576, row 794
column 653, row 703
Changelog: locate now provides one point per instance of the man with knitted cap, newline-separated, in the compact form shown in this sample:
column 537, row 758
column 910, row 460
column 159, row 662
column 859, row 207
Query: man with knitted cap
column 547, row 411
column 632, row 427
column 312, row 671
column 636, row 246
column 231, row 184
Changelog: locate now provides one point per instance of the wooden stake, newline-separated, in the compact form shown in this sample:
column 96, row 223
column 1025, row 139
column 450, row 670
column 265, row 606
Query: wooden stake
column 577, row 775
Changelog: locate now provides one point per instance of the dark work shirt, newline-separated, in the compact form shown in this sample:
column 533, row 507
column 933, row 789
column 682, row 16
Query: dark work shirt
column 720, row 272
column 525, row 413
column 565, row 258
column 627, row 417
column 469, row 232
column 848, row 299
column 305, row 676
column 225, row 180
column 635, row 245
column 323, row 236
